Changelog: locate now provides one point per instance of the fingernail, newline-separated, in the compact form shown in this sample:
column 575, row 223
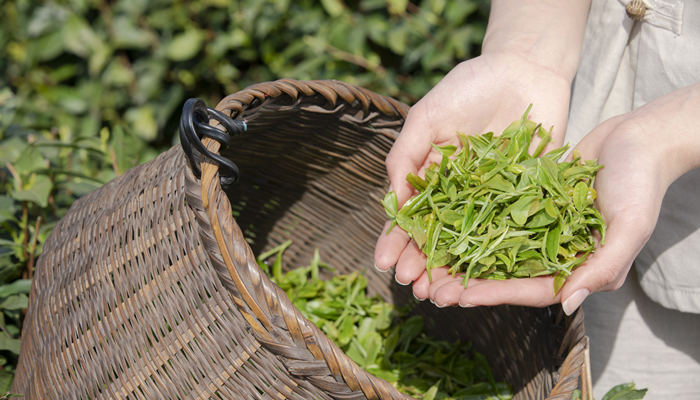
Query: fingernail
column 400, row 283
column 416, row 297
column 574, row 301
column 378, row 269
column 466, row 305
column 440, row 306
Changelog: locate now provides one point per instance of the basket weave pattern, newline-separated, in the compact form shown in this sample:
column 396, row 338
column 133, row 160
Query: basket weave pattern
column 149, row 289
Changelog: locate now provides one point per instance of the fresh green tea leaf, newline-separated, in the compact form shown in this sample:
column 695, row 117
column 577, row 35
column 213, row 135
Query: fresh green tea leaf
column 625, row 391
column 387, row 342
column 492, row 185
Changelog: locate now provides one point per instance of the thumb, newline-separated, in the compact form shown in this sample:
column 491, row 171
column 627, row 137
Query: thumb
column 589, row 146
column 607, row 268
column 409, row 151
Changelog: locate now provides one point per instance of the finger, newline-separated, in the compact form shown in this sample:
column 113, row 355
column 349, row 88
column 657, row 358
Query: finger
column 532, row 292
column 409, row 151
column 607, row 268
column 389, row 247
column 410, row 265
column 437, row 284
column 421, row 287
column 589, row 146
column 448, row 290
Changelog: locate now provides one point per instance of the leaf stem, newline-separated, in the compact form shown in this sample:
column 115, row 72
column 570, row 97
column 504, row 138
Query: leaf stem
column 30, row 264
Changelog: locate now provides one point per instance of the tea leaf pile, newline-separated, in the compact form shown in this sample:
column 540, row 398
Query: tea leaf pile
column 493, row 210
column 383, row 340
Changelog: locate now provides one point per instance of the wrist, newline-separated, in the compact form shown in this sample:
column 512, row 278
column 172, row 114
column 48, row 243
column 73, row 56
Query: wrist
column 546, row 33
column 667, row 127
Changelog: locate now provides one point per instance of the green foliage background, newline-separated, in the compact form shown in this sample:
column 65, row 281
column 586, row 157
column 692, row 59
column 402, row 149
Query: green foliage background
column 90, row 88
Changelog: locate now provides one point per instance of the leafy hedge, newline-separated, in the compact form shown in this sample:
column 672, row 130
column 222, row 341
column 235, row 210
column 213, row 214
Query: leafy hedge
column 90, row 88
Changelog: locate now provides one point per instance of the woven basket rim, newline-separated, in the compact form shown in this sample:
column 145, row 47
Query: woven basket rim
column 574, row 372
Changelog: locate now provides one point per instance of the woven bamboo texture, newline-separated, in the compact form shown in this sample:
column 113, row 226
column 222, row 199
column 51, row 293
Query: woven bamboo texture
column 148, row 288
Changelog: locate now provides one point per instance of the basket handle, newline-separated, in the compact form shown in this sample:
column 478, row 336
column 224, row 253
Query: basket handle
column 194, row 125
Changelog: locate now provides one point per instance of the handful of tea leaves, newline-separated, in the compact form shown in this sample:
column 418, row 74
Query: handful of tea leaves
column 384, row 341
column 493, row 210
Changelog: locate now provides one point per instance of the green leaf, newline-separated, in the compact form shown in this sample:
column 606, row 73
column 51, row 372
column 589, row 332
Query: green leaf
column 6, row 383
column 126, row 34
column 36, row 191
column 10, row 150
column 625, row 391
column 143, row 122
column 581, row 196
column 391, row 204
column 46, row 18
column 493, row 210
column 451, row 217
column 531, row 268
column 346, row 331
column 559, row 280
column 118, row 74
column 15, row 302
column 417, row 182
column 456, row 11
column 185, row 45
column 29, row 161
column 386, row 342
column 521, row 209
column 397, row 6
column 333, row 7
column 432, row 392
column 78, row 36
column 397, row 39
column 499, row 183
column 70, row 99
column 20, row 286
column 9, row 344
column 552, row 242
column 7, row 209
column 46, row 47
column 540, row 219
column 550, row 208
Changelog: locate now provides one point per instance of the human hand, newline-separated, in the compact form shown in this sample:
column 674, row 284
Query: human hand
column 484, row 94
column 642, row 152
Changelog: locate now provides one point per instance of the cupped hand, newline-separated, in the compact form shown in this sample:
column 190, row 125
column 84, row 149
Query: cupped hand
column 483, row 94
column 642, row 153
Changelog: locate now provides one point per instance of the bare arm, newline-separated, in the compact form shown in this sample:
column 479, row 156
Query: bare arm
column 547, row 32
column 530, row 54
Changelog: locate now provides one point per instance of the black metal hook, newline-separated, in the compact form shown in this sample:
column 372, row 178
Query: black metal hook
column 194, row 125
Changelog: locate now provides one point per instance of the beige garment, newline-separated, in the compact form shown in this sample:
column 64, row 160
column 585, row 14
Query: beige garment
column 634, row 339
column 624, row 65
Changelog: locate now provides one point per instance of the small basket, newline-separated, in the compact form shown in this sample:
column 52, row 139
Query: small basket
column 149, row 289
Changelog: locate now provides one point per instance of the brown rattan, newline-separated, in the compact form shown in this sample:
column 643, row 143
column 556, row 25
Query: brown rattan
column 149, row 289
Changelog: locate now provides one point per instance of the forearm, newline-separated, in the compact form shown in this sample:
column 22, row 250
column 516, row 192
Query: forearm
column 549, row 33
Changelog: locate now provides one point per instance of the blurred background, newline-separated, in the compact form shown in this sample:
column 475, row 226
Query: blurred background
column 91, row 88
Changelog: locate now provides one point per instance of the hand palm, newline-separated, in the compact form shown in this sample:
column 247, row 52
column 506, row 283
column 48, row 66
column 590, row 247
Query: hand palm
column 484, row 94
column 630, row 190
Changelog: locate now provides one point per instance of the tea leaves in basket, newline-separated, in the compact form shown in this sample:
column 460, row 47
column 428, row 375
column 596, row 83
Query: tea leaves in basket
column 493, row 210
column 381, row 339
column 623, row 391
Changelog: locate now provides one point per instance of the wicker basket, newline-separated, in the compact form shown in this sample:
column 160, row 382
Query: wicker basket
column 148, row 288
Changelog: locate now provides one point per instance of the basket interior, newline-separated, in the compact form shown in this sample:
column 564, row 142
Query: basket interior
column 314, row 172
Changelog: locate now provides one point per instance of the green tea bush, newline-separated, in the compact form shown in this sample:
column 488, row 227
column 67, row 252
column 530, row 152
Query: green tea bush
column 90, row 88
